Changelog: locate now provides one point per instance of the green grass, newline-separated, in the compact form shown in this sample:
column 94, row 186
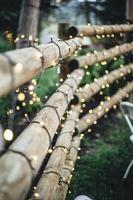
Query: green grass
column 103, row 162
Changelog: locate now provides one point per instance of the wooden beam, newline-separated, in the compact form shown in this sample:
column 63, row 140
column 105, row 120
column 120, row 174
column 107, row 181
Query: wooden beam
column 90, row 59
column 21, row 65
column 93, row 30
column 34, row 142
column 49, row 181
column 99, row 111
column 91, row 89
column 51, row 177
column 61, row 190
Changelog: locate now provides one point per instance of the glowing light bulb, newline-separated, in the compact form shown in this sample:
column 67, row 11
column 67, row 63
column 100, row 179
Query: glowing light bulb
column 31, row 102
column 89, row 130
column 34, row 81
column 30, row 37
column 31, row 87
column 17, row 108
column 90, row 111
column 21, row 96
column 36, row 194
column 8, row 135
column 50, row 151
column 24, row 104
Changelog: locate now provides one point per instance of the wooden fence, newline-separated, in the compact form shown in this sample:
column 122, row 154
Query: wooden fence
column 90, row 30
column 21, row 65
column 90, row 59
column 20, row 164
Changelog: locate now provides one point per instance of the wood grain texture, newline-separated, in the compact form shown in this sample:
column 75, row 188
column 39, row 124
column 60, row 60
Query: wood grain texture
column 61, row 190
column 90, row 59
column 26, row 63
column 49, row 180
column 93, row 30
column 34, row 141
column 99, row 111
column 91, row 89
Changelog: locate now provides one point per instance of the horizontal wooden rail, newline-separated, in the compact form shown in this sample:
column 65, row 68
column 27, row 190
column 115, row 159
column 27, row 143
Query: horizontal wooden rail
column 90, row 59
column 91, row 89
column 61, row 190
column 93, row 30
column 21, row 65
column 49, row 181
column 99, row 111
column 51, row 177
column 23, row 159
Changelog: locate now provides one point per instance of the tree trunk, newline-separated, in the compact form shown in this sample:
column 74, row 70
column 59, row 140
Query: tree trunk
column 1, row 139
column 28, row 22
column 129, row 10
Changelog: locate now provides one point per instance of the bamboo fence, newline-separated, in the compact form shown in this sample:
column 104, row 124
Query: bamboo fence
column 21, row 65
column 93, row 30
column 22, row 161
column 61, row 190
column 48, row 181
column 99, row 111
column 51, row 176
column 91, row 89
column 90, row 59
column 24, row 157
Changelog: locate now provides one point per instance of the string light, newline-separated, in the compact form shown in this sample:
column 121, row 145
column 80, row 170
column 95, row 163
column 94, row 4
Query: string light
column 8, row 135
column 21, row 96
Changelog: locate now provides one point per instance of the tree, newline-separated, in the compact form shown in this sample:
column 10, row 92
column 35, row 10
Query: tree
column 27, row 30
column 28, row 21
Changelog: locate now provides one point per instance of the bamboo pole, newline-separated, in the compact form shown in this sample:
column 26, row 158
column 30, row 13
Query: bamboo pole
column 90, row 59
column 99, row 111
column 93, row 30
column 61, row 190
column 48, row 182
column 21, row 65
column 51, row 177
column 33, row 143
column 91, row 89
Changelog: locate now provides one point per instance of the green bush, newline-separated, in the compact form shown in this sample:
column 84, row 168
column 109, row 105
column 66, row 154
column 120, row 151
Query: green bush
column 4, row 44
